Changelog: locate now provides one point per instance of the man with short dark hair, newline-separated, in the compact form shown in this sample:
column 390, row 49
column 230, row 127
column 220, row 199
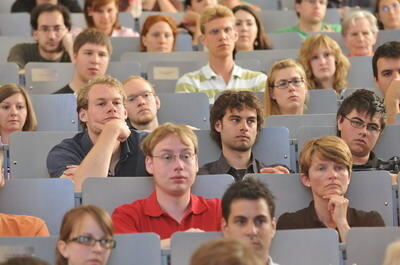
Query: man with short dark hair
column 361, row 119
column 235, row 120
column 107, row 147
column 386, row 68
column 248, row 210
column 91, row 56
column 311, row 14
column 142, row 104
column 51, row 25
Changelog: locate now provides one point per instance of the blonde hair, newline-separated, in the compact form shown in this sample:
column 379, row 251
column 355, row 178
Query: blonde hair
column 271, row 107
column 392, row 254
column 185, row 134
column 137, row 77
column 225, row 251
column 214, row 12
column 330, row 148
column 83, row 93
column 342, row 64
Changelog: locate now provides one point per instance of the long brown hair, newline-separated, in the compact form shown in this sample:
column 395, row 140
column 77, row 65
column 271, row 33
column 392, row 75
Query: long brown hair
column 74, row 217
column 8, row 90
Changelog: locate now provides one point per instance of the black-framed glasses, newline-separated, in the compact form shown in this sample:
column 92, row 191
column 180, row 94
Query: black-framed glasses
column 359, row 124
column 186, row 157
column 284, row 84
column 91, row 241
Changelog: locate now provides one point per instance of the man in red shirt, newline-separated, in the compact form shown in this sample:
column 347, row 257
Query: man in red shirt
column 171, row 157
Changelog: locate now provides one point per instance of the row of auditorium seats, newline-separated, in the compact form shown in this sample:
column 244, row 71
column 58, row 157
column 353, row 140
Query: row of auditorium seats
column 18, row 24
column 164, row 69
column 50, row 198
column 278, row 143
column 322, row 247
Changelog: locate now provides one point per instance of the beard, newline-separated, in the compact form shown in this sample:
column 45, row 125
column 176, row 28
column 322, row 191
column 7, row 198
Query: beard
column 144, row 120
column 57, row 49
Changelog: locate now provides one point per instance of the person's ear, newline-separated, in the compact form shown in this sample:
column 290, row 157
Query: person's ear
column 339, row 122
column 158, row 102
column 224, row 227
column 62, row 248
column 305, row 180
column 149, row 164
column 35, row 35
column 273, row 223
column 272, row 93
column 83, row 115
column 218, row 126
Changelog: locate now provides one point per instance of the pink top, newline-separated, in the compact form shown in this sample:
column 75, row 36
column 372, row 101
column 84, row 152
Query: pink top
column 122, row 32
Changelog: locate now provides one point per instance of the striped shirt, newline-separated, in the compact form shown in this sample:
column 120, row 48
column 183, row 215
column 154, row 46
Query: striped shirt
column 206, row 81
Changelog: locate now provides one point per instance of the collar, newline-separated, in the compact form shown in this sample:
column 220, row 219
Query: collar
column 223, row 165
column 210, row 74
column 152, row 207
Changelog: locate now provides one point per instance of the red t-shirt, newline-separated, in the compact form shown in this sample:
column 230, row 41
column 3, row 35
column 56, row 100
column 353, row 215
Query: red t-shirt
column 146, row 216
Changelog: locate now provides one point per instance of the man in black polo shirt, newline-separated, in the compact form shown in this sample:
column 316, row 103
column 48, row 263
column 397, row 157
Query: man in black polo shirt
column 107, row 147
column 235, row 120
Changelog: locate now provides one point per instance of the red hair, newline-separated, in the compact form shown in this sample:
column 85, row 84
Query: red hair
column 150, row 21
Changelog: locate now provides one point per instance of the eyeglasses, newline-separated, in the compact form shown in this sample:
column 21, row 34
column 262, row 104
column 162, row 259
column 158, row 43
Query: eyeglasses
column 322, row 2
column 146, row 96
column 47, row 29
column 387, row 8
column 359, row 124
column 91, row 241
column 186, row 157
column 284, row 84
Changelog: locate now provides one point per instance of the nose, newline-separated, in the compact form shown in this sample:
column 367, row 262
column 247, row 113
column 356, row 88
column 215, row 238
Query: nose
column 97, row 247
column 178, row 163
column 251, row 229
column 140, row 100
column 95, row 58
column 244, row 126
column 13, row 110
column 333, row 173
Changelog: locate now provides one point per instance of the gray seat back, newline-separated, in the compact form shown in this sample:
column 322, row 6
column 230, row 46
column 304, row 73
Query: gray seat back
column 47, row 78
column 129, row 189
column 322, row 101
column 269, row 57
column 48, row 199
column 56, row 112
column 144, row 59
column 325, row 242
column 366, row 245
column 185, row 108
column 136, row 249
column 29, row 150
column 294, row 122
column 9, row 73
column 164, row 75
column 272, row 147
column 40, row 247
column 322, row 247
